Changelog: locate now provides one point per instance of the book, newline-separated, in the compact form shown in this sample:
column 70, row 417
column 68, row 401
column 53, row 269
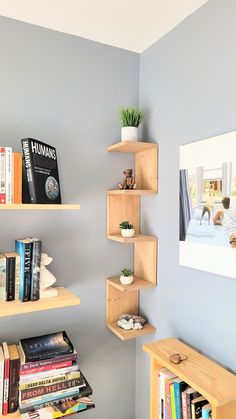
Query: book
column 168, row 383
column 47, row 362
column 23, row 248
column 43, row 368
column 2, row 175
column 191, row 394
column 196, row 407
column 26, row 378
column 6, row 377
column 206, row 411
column 25, row 190
column 9, row 175
column 17, row 276
column 40, row 160
column 179, row 387
column 2, row 278
column 14, row 378
column 35, row 268
column 10, row 275
column 17, row 178
column 46, row 346
column 184, row 405
column 172, row 401
column 49, row 380
column 49, row 397
column 162, row 375
column 51, row 388
column 1, row 379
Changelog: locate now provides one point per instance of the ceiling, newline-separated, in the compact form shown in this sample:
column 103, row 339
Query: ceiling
column 128, row 24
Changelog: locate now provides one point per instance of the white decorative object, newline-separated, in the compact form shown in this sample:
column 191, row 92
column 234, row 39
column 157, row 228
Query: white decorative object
column 129, row 133
column 128, row 232
column 130, row 321
column 126, row 280
column 46, row 278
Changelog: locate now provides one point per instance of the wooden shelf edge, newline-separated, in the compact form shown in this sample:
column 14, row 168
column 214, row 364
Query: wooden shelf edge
column 132, row 192
column 136, row 238
column 39, row 206
column 64, row 299
column 137, row 285
column 131, row 334
column 131, row 146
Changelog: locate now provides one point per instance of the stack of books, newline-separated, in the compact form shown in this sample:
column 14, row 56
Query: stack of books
column 10, row 176
column 177, row 400
column 20, row 271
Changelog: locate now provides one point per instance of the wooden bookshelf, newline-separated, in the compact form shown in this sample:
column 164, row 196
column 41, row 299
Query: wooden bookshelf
column 131, row 146
column 136, row 238
column 15, row 415
column 137, row 285
column 64, row 299
column 215, row 383
column 131, row 192
column 39, row 207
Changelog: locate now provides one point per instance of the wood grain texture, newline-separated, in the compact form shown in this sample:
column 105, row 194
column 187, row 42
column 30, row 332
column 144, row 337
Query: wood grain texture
column 136, row 238
column 131, row 146
column 132, row 192
column 146, row 169
column 122, row 208
column 145, row 260
column 154, row 388
column 131, row 334
column 120, row 303
column 137, row 285
column 39, row 207
column 227, row 411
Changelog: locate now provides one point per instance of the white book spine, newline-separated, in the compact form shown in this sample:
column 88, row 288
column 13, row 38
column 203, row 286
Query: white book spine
column 50, row 373
column 17, row 278
column 1, row 379
column 2, row 175
column 9, row 175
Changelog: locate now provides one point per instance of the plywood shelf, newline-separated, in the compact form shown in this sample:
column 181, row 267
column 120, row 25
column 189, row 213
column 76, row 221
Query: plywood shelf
column 136, row 238
column 137, row 285
column 15, row 415
column 64, row 299
column 131, row 146
column 140, row 192
column 131, row 334
column 39, row 206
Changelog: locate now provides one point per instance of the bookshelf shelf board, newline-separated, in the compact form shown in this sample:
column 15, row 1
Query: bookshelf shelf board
column 214, row 382
column 15, row 415
column 132, row 192
column 64, row 299
column 137, row 285
column 131, row 146
column 136, row 238
column 39, row 206
column 131, row 334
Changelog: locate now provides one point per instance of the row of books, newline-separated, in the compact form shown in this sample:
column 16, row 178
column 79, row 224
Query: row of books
column 178, row 400
column 20, row 271
column 31, row 176
column 40, row 376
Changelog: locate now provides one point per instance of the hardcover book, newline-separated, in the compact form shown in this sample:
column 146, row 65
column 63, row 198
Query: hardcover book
column 6, row 377
column 179, row 387
column 2, row 175
column 26, row 378
column 10, row 275
column 51, row 388
column 17, row 173
column 2, row 278
column 47, row 362
column 36, row 247
column 1, row 379
column 197, row 405
column 14, row 378
column 46, row 346
column 49, row 380
column 64, row 409
column 40, row 161
column 24, row 248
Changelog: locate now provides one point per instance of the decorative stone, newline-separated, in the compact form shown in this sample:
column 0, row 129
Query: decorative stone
column 46, row 278
column 130, row 321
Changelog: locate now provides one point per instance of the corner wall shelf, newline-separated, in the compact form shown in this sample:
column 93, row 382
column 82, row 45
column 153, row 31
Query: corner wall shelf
column 125, row 205
column 39, row 207
column 211, row 380
column 64, row 299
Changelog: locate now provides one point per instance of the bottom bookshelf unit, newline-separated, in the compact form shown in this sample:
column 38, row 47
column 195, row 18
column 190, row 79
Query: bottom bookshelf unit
column 64, row 299
column 211, row 380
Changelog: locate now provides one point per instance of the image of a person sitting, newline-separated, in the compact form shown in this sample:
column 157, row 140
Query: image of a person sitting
column 227, row 219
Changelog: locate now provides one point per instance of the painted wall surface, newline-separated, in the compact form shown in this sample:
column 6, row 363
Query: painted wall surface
column 188, row 89
column 65, row 91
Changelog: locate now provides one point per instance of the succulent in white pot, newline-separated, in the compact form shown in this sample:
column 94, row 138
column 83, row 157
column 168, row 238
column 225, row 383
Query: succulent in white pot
column 130, row 117
column 127, row 277
column 127, row 229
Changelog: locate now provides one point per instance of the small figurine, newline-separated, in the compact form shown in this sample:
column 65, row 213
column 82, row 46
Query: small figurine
column 130, row 321
column 46, row 278
column 129, row 181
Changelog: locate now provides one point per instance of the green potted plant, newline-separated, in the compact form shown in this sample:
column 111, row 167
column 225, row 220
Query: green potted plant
column 127, row 277
column 127, row 229
column 130, row 117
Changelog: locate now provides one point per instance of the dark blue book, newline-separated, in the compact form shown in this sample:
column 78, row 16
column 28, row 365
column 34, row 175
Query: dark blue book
column 24, row 248
column 10, row 275
column 35, row 268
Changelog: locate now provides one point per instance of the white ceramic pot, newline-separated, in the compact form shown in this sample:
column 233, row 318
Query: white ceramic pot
column 128, row 232
column 126, row 280
column 129, row 134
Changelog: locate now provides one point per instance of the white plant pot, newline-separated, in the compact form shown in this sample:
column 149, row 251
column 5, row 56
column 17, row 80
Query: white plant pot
column 129, row 134
column 126, row 280
column 128, row 232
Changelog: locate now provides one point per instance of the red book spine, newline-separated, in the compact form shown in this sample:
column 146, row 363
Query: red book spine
column 184, row 406
column 6, row 386
column 47, row 368
column 2, row 175
column 168, row 407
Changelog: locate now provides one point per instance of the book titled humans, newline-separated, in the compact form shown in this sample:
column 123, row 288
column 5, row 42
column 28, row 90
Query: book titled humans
column 40, row 163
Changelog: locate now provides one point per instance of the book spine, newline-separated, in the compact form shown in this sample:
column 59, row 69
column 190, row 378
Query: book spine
column 17, row 278
column 13, row 385
column 193, row 412
column 47, row 368
column 2, row 279
column 168, row 407
column 20, row 249
column 50, row 413
column 49, row 381
column 53, row 388
column 2, row 175
column 37, row 401
column 46, row 355
column 189, row 406
column 10, row 278
column 177, row 401
column 172, row 401
column 35, row 269
column 162, row 395
column 6, row 386
column 26, row 378
column 1, row 386
column 37, row 364
column 184, row 406
column 28, row 162
column 27, row 271
column 8, row 175
column 17, row 176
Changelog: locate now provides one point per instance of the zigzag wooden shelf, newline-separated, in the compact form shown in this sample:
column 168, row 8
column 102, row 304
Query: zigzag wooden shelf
column 39, row 207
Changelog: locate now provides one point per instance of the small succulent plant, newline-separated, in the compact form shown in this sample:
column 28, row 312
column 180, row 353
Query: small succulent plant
column 127, row 272
column 126, row 225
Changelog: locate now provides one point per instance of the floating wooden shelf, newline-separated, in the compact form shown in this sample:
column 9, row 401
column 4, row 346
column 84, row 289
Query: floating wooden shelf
column 15, row 415
column 138, row 284
column 214, row 382
column 64, row 299
column 131, row 146
column 139, row 192
column 39, row 206
column 136, row 238
column 131, row 334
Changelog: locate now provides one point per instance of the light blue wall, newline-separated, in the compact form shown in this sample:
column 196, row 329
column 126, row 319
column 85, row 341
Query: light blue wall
column 188, row 88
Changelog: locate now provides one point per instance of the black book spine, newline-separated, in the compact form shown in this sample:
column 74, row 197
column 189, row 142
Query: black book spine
column 13, row 385
column 35, row 269
column 27, row 272
column 28, row 164
column 25, row 188
column 10, row 278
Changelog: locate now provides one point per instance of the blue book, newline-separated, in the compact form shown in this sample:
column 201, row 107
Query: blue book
column 23, row 248
column 179, row 387
column 206, row 410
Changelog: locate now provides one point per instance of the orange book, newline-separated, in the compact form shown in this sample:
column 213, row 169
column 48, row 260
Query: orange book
column 17, row 189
